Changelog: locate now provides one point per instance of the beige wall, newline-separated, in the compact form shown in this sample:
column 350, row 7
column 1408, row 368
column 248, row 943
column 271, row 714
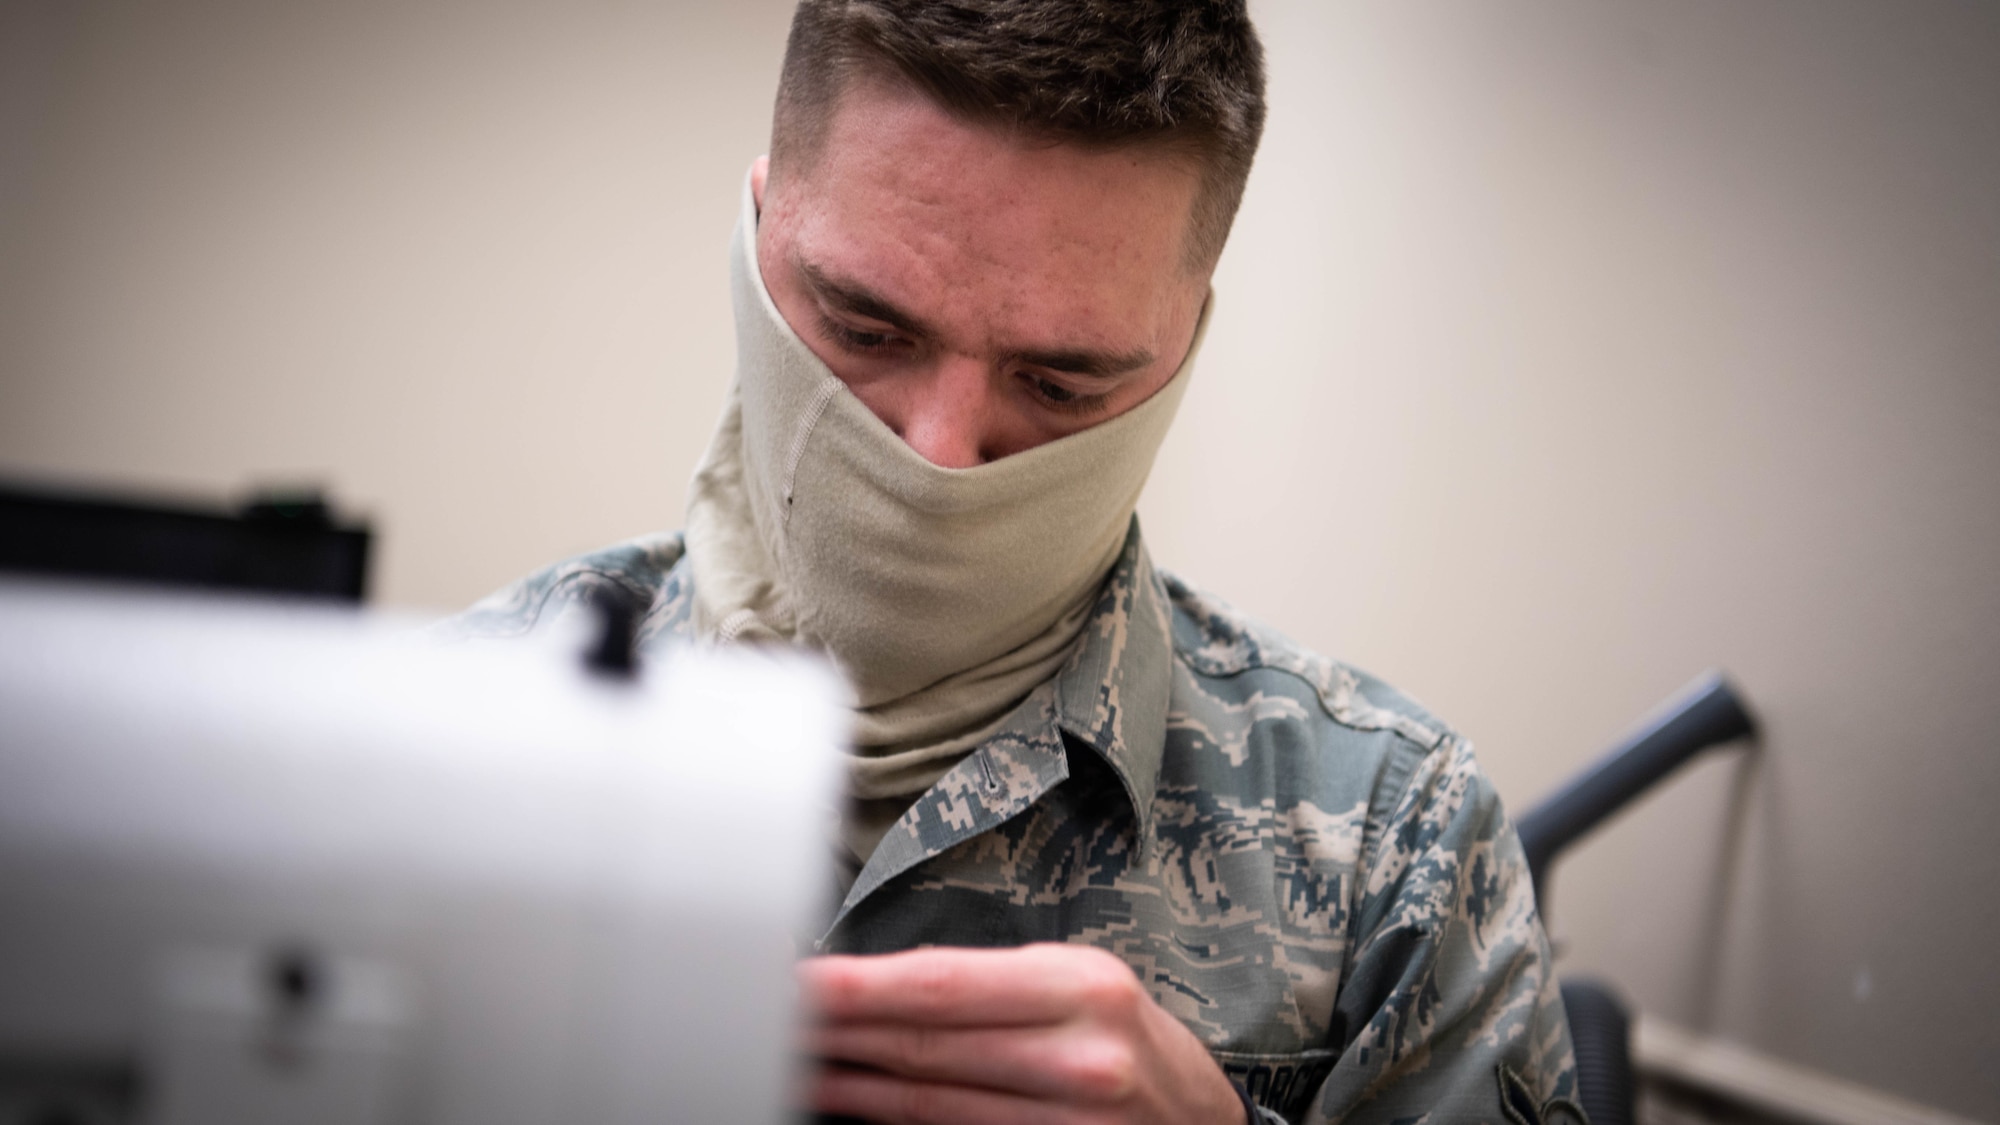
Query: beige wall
column 1564, row 349
column 1570, row 348
column 460, row 260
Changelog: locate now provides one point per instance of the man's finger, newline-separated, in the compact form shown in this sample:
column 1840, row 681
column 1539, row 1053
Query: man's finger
column 1067, row 1063
column 893, row 1100
column 1035, row 984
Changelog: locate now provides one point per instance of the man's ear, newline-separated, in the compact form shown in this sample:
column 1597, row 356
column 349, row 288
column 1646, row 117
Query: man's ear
column 760, row 170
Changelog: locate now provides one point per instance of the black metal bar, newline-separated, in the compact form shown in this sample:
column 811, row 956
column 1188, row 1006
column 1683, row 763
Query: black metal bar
column 1705, row 713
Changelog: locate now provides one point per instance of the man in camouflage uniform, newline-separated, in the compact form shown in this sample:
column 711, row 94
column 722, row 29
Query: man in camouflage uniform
column 1191, row 873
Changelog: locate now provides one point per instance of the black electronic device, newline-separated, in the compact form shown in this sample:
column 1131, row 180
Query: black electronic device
column 277, row 543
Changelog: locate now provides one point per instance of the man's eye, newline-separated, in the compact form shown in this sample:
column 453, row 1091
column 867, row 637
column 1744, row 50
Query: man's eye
column 1054, row 391
column 858, row 339
column 1057, row 397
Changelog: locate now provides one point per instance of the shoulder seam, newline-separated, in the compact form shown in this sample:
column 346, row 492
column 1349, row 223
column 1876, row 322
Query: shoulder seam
column 1335, row 685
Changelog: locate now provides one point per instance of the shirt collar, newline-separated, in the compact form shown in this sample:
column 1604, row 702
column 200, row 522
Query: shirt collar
column 1113, row 693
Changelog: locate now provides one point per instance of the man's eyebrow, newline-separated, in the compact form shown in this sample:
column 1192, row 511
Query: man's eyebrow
column 856, row 299
column 1096, row 365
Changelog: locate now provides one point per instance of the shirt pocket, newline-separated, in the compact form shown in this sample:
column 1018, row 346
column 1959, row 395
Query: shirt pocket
column 1282, row 1083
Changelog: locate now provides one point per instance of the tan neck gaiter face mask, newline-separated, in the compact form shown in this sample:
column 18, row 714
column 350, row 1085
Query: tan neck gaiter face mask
column 945, row 595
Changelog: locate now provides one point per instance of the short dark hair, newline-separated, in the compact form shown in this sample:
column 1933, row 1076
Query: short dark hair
column 1180, row 75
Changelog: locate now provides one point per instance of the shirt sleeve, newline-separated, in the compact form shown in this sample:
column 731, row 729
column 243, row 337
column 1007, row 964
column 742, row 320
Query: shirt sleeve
column 1449, row 1005
column 644, row 567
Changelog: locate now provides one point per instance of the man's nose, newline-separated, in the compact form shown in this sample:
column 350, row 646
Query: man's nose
column 950, row 417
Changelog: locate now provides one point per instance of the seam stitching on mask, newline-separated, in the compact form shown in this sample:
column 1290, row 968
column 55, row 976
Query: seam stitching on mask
column 733, row 624
column 798, row 451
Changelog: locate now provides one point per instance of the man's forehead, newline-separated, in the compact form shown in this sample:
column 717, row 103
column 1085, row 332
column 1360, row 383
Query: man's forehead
column 1068, row 246
column 991, row 190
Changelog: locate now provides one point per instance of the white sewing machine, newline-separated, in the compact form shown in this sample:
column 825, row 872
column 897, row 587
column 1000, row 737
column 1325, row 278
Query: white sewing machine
column 263, row 863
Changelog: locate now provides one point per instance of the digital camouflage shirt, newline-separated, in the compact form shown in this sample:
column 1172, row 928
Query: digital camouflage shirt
column 1301, row 864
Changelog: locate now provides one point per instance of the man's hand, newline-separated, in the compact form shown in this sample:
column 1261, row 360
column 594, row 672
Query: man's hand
column 1044, row 1033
